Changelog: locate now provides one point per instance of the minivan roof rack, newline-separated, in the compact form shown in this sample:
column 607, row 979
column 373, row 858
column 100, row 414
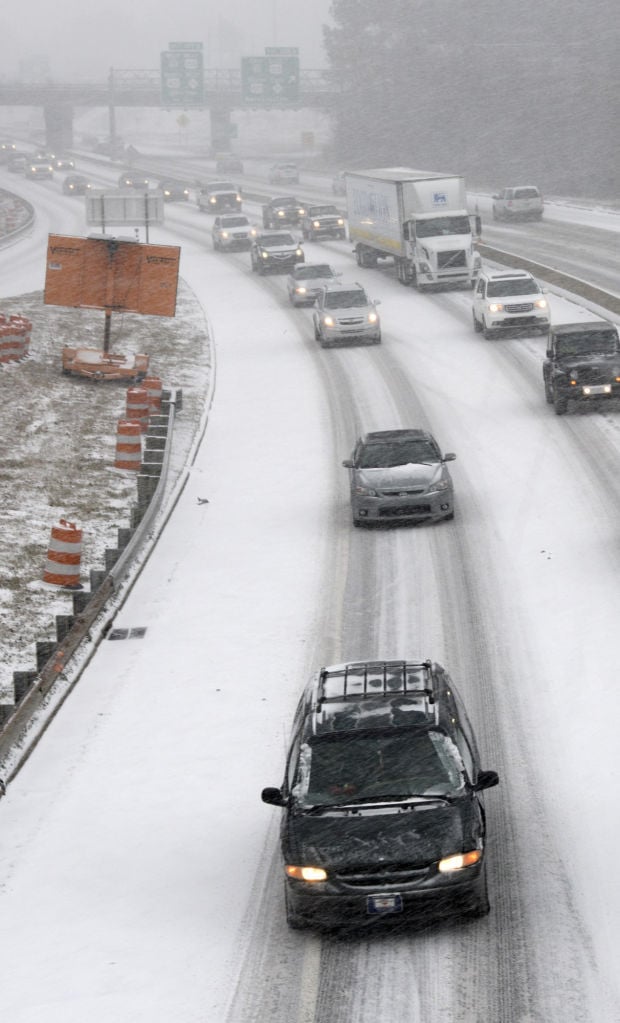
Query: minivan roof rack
column 361, row 679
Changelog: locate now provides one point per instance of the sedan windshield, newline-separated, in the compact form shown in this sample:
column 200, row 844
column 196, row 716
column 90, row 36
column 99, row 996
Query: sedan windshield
column 276, row 239
column 379, row 766
column 319, row 270
column 235, row 222
column 387, row 456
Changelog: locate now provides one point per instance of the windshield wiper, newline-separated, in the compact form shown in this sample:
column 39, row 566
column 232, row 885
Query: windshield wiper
column 384, row 800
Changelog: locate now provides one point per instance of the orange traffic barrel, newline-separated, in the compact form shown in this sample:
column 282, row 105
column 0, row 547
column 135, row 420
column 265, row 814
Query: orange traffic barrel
column 137, row 406
column 153, row 387
column 11, row 344
column 128, row 444
column 64, row 555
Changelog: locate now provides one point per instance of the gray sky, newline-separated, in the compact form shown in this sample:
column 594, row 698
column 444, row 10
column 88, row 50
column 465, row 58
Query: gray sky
column 84, row 41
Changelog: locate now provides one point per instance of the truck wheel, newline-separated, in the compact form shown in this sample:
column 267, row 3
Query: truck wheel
column 548, row 393
column 477, row 323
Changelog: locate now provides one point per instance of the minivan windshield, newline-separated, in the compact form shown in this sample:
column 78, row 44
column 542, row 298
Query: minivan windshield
column 378, row 766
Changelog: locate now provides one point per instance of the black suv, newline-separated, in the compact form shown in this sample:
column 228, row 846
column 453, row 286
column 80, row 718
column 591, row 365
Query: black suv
column 285, row 211
column 582, row 362
column 383, row 815
column 275, row 250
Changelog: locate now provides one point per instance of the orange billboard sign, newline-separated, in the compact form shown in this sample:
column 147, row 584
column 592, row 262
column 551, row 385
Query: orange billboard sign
column 107, row 273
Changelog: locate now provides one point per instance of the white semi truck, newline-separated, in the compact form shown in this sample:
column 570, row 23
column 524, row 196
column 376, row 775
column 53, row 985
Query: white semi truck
column 418, row 218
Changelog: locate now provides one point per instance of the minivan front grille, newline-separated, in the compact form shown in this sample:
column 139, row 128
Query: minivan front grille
column 381, row 876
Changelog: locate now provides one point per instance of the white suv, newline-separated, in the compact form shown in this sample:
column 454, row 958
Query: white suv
column 344, row 312
column 521, row 203
column 509, row 300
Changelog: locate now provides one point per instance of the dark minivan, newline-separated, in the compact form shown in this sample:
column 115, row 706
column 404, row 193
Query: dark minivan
column 382, row 799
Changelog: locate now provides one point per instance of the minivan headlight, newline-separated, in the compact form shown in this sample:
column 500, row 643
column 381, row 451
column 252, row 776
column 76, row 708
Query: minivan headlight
column 311, row 874
column 496, row 307
column 459, row 861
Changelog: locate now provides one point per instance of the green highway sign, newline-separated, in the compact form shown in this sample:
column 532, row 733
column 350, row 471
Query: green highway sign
column 182, row 76
column 272, row 79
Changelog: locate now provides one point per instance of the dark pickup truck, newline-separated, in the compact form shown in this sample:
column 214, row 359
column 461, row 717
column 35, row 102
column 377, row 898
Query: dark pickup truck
column 284, row 211
column 582, row 363
column 323, row 220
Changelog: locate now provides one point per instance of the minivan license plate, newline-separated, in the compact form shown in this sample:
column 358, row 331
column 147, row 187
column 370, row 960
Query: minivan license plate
column 384, row 904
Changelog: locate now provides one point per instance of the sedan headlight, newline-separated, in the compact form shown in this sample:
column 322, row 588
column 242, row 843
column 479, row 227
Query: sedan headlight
column 541, row 303
column 223, row 234
column 365, row 491
column 340, row 222
column 212, row 200
column 459, row 861
column 264, row 254
column 316, row 223
column 299, row 252
column 311, row 874
column 496, row 307
column 440, row 485
column 280, row 213
column 300, row 290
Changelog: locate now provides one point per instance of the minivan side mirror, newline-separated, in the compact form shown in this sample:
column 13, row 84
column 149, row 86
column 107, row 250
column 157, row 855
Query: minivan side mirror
column 486, row 780
column 273, row 796
column 449, row 456
column 348, row 463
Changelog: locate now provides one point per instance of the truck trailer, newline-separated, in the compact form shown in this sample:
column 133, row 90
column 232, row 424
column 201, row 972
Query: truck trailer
column 420, row 219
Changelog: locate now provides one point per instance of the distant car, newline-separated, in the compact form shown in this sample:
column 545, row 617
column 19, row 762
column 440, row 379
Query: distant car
column 283, row 174
column 323, row 220
column 307, row 280
column 219, row 197
column 174, row 191
column 339, row 184
column 275, row 250
column 232, row 231
column 6, row 149
column 64, row 163
column 523, row 202
column 344, row 312
column 39, row 169
column 76, row 184
column 509, row 301
column 42, row 154
column 283, row 211
column 399, row 476
column 129, row 179
column 17, row 163
column 228, row 163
